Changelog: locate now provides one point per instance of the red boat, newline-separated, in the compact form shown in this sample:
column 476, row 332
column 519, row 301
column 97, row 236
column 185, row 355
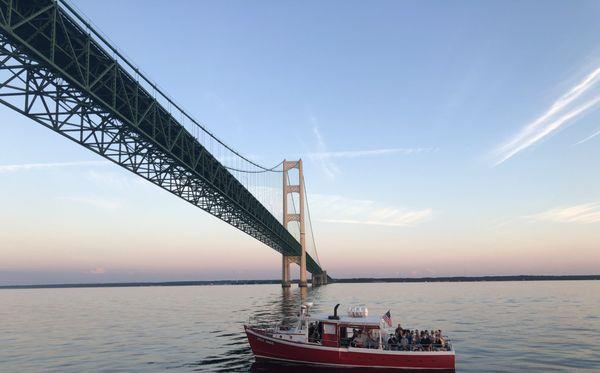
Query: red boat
column 355, row 340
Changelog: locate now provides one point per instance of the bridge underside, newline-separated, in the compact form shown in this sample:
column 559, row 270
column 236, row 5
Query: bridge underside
column 54, row 72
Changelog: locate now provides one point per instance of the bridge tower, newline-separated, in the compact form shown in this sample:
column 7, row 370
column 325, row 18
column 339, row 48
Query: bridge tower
column 299, row 217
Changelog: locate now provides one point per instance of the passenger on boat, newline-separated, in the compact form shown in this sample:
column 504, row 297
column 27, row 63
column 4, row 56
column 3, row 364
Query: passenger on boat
column 360, row 340
column 314, row 335
column 372, row 341
column 426, row 341
column 404, row 341
column 441, row 341
column 417, row 338
column 409, row 337
column 398, row 332
column 412, row 340
column 392, row 341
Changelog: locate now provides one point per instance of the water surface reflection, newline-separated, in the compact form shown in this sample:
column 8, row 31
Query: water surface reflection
column 500, row 326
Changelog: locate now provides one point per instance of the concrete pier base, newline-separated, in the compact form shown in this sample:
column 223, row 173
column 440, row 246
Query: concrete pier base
column 319, row 279
column 285, row 271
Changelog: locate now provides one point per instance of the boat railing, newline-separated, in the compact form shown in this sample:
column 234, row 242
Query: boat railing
column 262, row 323
column 420, row 347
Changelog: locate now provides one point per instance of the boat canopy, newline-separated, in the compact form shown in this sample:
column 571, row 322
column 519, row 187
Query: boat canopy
column 347, row 320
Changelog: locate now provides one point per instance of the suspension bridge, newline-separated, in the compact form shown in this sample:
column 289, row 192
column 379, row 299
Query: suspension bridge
column 61, row 72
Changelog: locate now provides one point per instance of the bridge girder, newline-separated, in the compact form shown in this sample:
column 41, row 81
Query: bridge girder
column 54, row 72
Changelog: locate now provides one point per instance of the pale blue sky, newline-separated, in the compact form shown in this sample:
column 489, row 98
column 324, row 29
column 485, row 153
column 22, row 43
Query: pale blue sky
column 400, row 110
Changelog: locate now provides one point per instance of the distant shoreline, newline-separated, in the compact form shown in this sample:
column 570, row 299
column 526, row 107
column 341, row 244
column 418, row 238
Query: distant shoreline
column 334, row 281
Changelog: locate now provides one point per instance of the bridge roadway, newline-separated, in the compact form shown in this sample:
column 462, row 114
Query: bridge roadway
column 57, row 70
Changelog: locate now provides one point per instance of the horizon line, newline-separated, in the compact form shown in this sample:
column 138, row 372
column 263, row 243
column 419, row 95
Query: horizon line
column 486, row 278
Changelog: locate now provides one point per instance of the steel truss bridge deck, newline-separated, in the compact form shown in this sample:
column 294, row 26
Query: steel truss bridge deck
column 53, row 71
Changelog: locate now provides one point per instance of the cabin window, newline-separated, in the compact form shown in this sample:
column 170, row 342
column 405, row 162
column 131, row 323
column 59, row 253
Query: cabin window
column 329, row 329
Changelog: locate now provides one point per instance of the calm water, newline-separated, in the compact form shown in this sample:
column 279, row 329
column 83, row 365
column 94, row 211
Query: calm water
column 499, row 326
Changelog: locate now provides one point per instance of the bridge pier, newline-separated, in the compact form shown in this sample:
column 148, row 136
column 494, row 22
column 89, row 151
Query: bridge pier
column 319, row 279
column 285, row 271
column 299, row 217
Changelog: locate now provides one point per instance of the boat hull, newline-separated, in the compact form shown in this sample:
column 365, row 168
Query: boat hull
column 265, row 347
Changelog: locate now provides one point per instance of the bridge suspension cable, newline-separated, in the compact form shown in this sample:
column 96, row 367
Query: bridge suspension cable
column 238, row 164
column 272, row 169
column 310, row 226
column 171, row 103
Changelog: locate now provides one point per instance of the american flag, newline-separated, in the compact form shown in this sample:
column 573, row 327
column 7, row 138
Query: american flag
column 387, row 317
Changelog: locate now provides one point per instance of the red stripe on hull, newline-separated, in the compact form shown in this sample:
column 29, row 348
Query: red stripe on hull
column 266, row 347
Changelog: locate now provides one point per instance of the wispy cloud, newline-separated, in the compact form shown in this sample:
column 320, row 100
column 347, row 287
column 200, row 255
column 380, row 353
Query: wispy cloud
column 588, row 138
column 45, row 166
column 327, row 165
column 578, row 100
column 96, row 202
column 369, row 153
column 326, row 158
column 338, row 209
column 585, row 213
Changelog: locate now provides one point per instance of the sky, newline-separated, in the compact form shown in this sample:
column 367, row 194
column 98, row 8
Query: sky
column 439, row 139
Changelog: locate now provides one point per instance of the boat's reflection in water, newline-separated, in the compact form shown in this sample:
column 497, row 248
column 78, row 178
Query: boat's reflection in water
column 273, row 366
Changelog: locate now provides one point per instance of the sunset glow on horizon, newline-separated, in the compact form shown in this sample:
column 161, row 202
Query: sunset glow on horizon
column 441, row 145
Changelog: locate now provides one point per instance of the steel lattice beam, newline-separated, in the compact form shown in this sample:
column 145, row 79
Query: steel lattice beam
column 54, row 72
